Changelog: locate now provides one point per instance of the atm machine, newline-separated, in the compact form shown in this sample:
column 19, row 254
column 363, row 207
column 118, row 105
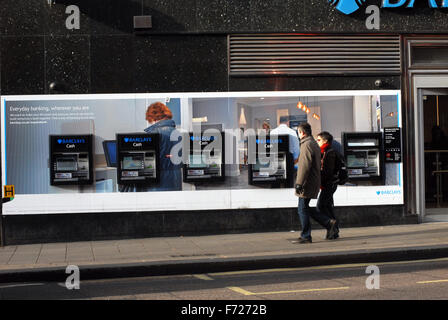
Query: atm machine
column 284, row 173
column 71, row 159
column 364, row 155
column 204, row 162
column 137, row 158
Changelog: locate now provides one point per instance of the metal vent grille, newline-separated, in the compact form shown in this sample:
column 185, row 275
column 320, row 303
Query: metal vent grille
column 314, row 54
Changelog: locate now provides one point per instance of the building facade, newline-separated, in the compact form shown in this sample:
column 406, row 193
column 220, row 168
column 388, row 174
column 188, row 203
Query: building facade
column 207, row 57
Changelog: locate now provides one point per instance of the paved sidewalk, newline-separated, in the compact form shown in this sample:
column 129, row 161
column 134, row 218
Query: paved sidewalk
column 171, row 255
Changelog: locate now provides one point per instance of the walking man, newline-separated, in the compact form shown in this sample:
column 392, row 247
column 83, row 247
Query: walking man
column 308, row 183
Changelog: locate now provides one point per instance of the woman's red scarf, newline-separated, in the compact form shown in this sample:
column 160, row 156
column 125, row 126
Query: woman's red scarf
column 324, row 147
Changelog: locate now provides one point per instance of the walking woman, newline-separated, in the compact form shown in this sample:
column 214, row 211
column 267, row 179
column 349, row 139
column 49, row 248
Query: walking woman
column 325, row 203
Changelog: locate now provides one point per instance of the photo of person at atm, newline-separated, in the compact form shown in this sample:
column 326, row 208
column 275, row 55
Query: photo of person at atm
column 159, row 118
column 294, row 146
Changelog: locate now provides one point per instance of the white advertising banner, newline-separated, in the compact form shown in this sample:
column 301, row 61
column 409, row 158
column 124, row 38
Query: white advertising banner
column 28, row 122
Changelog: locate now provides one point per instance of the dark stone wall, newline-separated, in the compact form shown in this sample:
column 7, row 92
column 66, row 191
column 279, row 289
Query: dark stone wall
column 186, row 50
column 22, row 229
column 107, row 17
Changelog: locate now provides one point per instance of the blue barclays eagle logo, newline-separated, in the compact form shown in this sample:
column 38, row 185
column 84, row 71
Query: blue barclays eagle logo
column 347, row 6
column 350, row 6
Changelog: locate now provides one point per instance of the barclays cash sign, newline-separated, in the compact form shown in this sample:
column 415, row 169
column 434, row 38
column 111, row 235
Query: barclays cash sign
column 351, row 6
column 140, row 140
column 72, row 141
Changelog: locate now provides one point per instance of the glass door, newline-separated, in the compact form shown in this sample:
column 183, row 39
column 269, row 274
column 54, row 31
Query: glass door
column 435, row 124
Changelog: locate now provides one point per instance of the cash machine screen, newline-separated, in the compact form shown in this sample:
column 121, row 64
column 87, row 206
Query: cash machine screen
column 133, row 163
column 258, row 165
column 267, row 170
column 66, row 164
column 196, row 161
column 357, row 160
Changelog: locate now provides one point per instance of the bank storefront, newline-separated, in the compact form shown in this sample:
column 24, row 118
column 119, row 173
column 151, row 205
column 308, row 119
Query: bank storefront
column 86, row 164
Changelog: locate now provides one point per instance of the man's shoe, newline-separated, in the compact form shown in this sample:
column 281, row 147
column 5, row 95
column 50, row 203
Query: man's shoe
column 305, row 240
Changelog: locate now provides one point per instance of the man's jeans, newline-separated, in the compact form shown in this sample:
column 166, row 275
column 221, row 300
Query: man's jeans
column 305, row 212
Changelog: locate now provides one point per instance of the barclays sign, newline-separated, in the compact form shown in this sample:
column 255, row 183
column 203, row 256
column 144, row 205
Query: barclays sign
column 351, row 6
column 347, row 6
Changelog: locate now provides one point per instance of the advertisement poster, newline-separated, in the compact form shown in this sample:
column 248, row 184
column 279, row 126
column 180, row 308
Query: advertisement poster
column 32, row 165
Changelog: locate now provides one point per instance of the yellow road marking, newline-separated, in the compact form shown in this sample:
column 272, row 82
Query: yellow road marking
column 242, row 291
column 248, row 293
column 203, row 277
column 338, row 266
column 432, row 281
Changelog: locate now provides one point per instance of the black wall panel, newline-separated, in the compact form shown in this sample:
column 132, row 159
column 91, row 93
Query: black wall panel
column 180, row 63
column 112, row 63
column 22, row 65
column 67, row 62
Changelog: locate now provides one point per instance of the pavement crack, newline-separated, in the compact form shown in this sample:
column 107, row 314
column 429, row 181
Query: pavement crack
column 38, row 256
column 12, row 255
column 91, row 249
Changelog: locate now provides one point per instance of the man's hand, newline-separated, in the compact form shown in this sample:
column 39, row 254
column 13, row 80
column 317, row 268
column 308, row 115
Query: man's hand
column 299, row 188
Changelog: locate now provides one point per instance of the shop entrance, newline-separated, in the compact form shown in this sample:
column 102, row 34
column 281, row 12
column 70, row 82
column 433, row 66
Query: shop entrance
column 430, row 132
column 435, row 124
column 426, row 71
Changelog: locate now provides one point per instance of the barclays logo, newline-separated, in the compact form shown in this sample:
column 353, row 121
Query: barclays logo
column 137, row 140
column 388, row 192
column 202, row 138
column 63, row 141
column 350, row 6
column 269, row 141
column 347, row 6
